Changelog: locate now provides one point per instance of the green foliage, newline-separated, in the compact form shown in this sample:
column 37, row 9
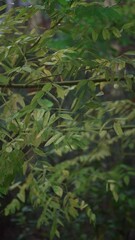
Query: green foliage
column 67, row 116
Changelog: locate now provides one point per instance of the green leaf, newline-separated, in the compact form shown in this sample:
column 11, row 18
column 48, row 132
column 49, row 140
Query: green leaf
column 83, row 205
column 118, row 129
column 63, row 2
column 58, row 190
column 126, row 180
column 106, row 34
column 60, row 139
column 129, row 83
column 12, row 207
column 37, row 97
column 52, row 119
column 47, row 87
column 39, row 152
column 27, row 68
column 99, row 94
column 115, row 195
column 112, row 187
column 46, row 118
column 54, row 227
column 94, row 35
column 38, row 114
column 66, row 116
column 60, row 91
column 128, row 25
column 3, row 7
column 91, row 215
column 40, row 133
column 73, row 212
column 9, row 149
column 21, row 195
column 3, row 79
column 25, row 167
column 116, row 32
column 45, row 103
column 52, row 139
column 57, row 233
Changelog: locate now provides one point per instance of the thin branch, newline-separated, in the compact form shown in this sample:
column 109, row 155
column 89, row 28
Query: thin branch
column 57, row 23
column 126, row 127
column 64, row 83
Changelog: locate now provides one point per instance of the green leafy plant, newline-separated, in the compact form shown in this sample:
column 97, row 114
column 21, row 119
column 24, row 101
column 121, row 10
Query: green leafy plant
column 67, row 117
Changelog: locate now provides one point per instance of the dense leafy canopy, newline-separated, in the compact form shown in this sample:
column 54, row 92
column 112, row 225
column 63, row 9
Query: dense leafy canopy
column 67, row 115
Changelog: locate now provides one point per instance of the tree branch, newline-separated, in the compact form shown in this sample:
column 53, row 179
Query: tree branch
column 64, row 83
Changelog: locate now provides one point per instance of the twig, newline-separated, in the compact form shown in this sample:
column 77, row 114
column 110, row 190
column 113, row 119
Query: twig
column 64, row 83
